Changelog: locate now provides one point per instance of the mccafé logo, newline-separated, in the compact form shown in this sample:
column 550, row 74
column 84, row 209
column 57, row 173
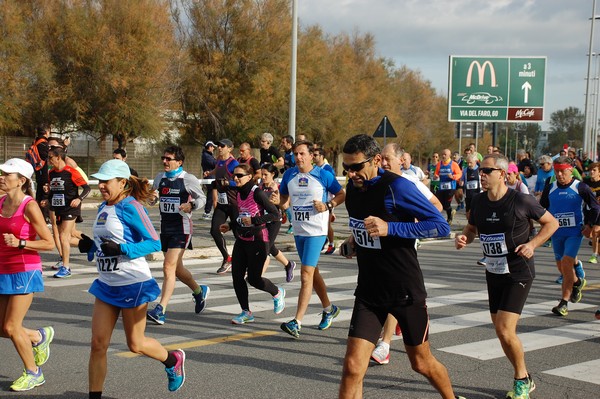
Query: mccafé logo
column 481, row 73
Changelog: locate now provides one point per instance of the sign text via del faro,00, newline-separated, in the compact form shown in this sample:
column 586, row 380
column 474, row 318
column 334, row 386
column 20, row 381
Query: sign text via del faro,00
column 496, row 89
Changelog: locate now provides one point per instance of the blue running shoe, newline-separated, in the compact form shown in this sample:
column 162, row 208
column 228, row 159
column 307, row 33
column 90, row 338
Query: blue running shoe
column 328, row 317
column 558, row 280
column 176, row 374
column 243, row 318
column 291, row 327
column 579, row 272
column 200, row 299
column 157, row 315
column 279, row 301
column 63, row 272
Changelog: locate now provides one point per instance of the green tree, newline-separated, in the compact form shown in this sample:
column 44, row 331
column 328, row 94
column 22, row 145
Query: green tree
column 566, row 127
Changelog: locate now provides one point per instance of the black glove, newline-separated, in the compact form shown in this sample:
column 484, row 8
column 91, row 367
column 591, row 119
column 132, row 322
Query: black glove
column 85, row 244
column 110, row 248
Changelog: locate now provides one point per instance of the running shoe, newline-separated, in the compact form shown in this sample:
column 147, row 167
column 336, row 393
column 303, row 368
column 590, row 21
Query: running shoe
column 290, row 230
column 482, row 261
column 559, row 280
column 576, row 293
column 547, row 244
column 597, row 314
column 560, row 310
column 291, row 327
column 28, row 381
column 279, row 301
column 593, row 259
column 41, row 351
column 521, row 389
column 381, row 353
column 328, row 317
column 157, row 315
column 289, row 271
column 176, row 374
column 243, row 318
column 225, row 266
column 398, row 331
column 330, row 248
column 451, row 218
column 58, row 265
column 63, row 272
column 579, row 272
column 207, row 216
column 200, row 299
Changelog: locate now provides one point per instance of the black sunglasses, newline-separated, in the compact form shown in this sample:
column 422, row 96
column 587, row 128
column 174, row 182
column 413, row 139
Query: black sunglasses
column 488, row 171
column 168, row 159
column 356, row 167
column 240, row 175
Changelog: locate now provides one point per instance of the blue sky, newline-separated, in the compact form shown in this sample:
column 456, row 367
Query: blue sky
column 421, row 34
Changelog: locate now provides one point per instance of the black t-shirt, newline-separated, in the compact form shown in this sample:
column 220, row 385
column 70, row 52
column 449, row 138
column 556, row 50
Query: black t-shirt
column 503, row 225
column 270, row 155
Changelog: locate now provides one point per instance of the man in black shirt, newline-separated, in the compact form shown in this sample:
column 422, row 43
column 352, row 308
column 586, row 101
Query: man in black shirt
column 268, row 153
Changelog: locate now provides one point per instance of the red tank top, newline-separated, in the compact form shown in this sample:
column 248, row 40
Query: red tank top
column 15, row 260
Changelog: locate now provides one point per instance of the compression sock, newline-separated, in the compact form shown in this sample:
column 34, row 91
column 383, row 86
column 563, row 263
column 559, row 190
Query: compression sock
column 96, row 395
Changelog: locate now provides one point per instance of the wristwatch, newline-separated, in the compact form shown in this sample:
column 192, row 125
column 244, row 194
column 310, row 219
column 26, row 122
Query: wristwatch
column 22, row 244
column 329, row 206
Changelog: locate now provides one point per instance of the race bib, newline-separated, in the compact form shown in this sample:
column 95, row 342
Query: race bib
column 446, row 185
column 222, row 198
column 493, row 244
column 302, row 213
column 361, row 236
column 472, row 185
column 107, row 263
column 169, row 205
column 497, row 265
column 566, row 219
column 58, row 200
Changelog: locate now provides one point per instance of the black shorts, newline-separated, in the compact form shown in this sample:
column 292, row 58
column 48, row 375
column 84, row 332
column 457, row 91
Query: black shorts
column 68, row 214
column 367, row 322
column 175, row 241
column 506, row 294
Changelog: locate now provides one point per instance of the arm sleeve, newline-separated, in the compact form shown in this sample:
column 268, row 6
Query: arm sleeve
column 456, row 172
column 405, row 200
column 272, row 212
column 192, row 185
column 544, row 200
column 136, row 217
column 592, row 210
column 85, row 192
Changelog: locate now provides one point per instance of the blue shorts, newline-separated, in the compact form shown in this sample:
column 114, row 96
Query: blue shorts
column 309, row 249
column 566, row 246
column 126, row 296
column 175, row 241
column 21, row 283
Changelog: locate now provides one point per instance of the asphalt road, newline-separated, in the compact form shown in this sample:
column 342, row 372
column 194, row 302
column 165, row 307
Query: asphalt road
column 260, row 361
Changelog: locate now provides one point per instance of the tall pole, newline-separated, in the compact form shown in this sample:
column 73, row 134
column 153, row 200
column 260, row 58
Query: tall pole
column 292, row 120
column 586, row 126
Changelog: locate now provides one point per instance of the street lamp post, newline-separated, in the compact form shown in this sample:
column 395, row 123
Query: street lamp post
column 292, row 113
column 586, row 128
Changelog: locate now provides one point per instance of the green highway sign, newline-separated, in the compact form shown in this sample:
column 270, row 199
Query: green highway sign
column 496, row 89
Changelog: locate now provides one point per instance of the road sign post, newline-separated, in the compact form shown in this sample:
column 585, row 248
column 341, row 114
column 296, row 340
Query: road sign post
column 496, row 89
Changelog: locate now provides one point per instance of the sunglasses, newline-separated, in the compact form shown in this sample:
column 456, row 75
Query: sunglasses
column 488, row 171
column 356, row 167
column 168, row 159
column 240, row 175
column 3, row 173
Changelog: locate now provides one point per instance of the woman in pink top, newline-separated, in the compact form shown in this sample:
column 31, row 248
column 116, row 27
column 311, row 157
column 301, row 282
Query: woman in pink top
column 21, row 269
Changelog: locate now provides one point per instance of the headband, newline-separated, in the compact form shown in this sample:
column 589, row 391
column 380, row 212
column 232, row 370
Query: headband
column 562, row 166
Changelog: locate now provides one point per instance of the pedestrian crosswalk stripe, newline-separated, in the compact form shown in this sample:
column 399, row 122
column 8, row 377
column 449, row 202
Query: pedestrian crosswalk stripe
column 585, row 371
column 546, row 338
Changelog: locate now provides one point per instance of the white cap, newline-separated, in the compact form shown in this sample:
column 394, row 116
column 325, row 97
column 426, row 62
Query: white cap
column 18, row 165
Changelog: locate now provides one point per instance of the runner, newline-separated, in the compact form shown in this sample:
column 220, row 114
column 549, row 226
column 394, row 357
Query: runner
column 65, row 200
column 448, row 173
column 564, row 198
column 304, row 188
column 21, row 220
column 593, row 181
column 501, row 217
column 123, row 236
column 252, row 245
column 382, row 208
column 179, row 193
column 268, row 185
column 319, row 160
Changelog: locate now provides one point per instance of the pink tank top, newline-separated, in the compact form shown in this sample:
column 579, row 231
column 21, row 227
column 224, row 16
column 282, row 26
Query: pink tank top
column 249, row 207
column 15, row 260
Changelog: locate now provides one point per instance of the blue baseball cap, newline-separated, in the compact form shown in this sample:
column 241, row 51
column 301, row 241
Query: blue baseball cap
column 112, row 169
